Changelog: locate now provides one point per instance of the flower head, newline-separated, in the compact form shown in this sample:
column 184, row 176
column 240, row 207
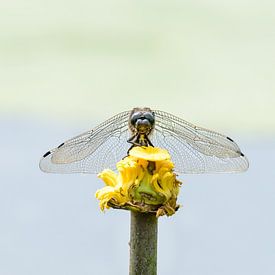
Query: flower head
column 145, row 182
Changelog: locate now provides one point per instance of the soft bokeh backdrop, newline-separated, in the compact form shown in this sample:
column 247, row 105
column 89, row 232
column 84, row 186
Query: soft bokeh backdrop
column 67, row 65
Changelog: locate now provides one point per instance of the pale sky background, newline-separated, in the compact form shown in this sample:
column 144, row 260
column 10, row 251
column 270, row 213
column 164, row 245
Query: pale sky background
column 67, row 65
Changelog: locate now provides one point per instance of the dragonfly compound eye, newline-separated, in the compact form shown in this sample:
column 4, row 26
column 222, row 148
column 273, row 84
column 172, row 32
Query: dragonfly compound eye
column 135, row 117
column 150, row 117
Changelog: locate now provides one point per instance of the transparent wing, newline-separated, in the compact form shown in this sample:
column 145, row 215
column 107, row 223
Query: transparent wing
column 92, row 151
column 195, row 149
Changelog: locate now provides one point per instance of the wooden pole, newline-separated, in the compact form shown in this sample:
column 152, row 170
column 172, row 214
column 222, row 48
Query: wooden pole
column 143, row 243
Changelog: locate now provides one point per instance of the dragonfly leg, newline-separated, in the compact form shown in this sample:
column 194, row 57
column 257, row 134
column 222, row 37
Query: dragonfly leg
column 149, row 142
column 134, row 140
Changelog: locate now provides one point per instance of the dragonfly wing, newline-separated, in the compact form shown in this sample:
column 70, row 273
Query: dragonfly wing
column 91, row 151
column 195, row 149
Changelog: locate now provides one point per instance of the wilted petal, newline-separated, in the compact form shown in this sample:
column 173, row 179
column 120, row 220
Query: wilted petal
column 109, row 177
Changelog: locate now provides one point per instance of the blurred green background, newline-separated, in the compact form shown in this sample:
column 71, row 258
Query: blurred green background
column 211, row 62
column 67, row 65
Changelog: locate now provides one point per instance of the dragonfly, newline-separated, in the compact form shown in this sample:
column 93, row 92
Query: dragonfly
column 193, row 149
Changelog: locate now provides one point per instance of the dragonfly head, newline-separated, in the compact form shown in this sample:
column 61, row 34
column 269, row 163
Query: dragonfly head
column 142, row 120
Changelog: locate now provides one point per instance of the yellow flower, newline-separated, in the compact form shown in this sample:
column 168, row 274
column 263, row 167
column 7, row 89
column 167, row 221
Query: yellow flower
column 149, row 153
column 145, row 182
